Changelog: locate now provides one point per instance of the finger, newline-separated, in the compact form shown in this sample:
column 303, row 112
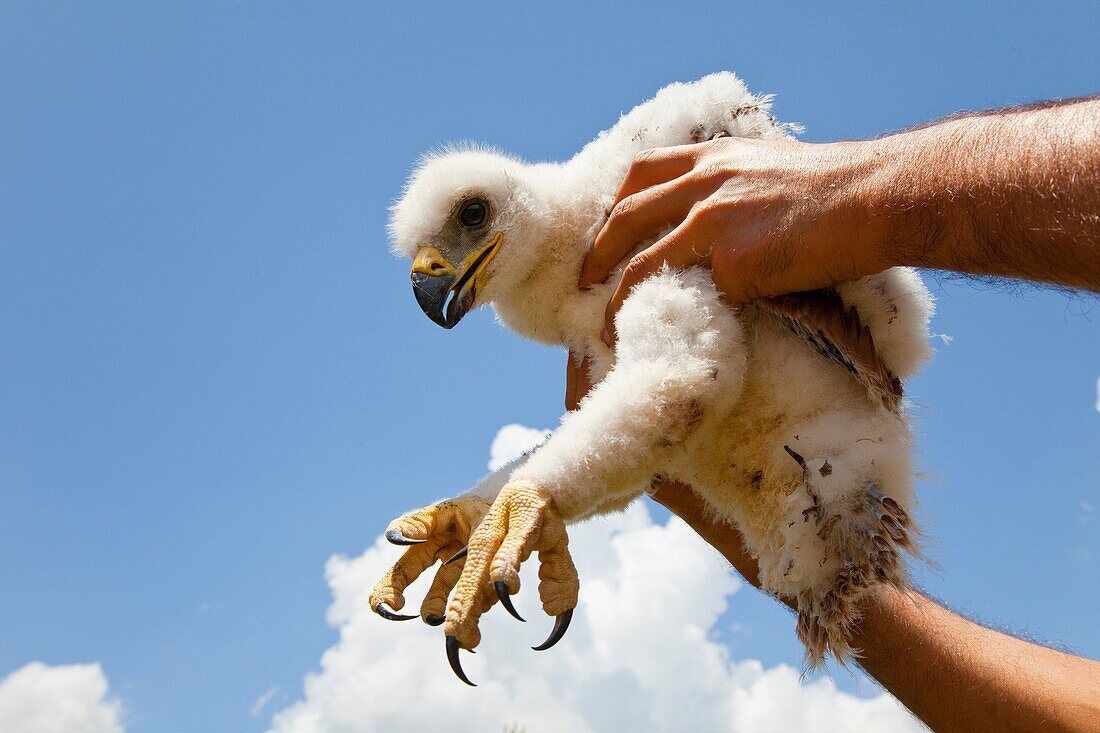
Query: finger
column 649, row 168
column 679, row 250
column 577, row 381
column 390, row 589
column 638, row 217
column 584, row 380
column 434, row 605
column 572, row 381
column 654, row 166
column 677, row 497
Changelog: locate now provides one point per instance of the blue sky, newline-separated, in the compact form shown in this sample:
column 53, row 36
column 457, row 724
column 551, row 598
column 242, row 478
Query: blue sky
column 212, row 366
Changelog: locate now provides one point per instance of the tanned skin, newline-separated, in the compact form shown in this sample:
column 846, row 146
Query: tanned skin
column 1009, row 193
column 1014, row 193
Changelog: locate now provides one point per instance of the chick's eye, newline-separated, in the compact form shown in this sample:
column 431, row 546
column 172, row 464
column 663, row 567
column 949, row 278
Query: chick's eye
column 473, row 214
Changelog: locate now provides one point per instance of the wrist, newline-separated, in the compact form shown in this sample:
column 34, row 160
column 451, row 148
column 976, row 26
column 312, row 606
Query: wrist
column 915, row 185
column 865, row 178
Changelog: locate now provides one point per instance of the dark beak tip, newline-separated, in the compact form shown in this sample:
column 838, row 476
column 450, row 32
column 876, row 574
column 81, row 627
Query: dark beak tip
column 431, row 293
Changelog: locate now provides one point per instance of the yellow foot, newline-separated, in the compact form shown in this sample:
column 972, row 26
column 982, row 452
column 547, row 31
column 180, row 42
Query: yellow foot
column 437, row 532
column 522, row 520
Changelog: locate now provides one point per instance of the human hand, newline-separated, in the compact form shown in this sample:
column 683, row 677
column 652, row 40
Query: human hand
column 577, row 382
column 769, row 217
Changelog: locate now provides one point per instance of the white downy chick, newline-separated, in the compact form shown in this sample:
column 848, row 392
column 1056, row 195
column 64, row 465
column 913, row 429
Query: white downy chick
column 785, row 416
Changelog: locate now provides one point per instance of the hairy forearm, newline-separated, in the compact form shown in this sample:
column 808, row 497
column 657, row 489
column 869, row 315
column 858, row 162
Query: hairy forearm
column 1014, row 193
column 958, row 676
column 950, row 672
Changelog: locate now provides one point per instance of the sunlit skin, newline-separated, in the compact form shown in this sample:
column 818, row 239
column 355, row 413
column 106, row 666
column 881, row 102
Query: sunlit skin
column 1013, row 193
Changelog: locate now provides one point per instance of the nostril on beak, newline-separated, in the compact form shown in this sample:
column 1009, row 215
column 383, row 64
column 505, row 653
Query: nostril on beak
column 430, row 261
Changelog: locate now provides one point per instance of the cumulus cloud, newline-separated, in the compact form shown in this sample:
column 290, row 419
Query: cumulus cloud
column 73, row 698
column 641, row 653
column 510, row 442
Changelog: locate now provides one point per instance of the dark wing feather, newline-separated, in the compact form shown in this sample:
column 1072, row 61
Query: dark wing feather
column 838, row 333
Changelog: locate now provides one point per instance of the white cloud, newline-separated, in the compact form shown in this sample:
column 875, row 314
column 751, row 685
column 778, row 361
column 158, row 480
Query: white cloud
column 641, row 653
column 1098, row 394
column 510, row 441
column 72, row 698
column 944, row 338
column 262, row 701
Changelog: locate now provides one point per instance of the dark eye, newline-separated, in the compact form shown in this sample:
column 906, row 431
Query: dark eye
column 473, row 214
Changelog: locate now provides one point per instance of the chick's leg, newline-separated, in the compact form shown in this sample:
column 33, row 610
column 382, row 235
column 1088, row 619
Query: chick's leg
column 679, row 360
column 680, row 357
column 604, row 451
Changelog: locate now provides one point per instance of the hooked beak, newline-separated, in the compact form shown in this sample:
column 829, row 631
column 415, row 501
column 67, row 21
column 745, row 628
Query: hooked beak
column 445, row 293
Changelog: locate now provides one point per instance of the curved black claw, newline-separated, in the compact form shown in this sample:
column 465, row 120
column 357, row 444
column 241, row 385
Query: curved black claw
column 458, row 555
column 561, row 623
column 395, row 537
column 506, row 599
column 382, row 610
column 452, row 657
column 431, row 620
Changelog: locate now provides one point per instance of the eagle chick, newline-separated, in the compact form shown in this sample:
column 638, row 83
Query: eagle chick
column 785, row 416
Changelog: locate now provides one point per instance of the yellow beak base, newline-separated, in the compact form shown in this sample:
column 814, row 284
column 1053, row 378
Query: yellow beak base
column 446, row 293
